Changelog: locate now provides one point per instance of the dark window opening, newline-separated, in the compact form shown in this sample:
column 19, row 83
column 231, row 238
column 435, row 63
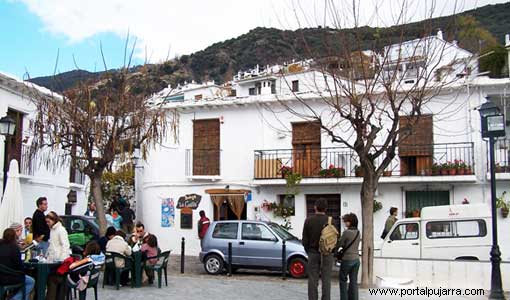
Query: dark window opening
column 295, row 86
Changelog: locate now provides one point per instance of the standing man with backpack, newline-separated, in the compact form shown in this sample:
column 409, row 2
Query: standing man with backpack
column 320, row 237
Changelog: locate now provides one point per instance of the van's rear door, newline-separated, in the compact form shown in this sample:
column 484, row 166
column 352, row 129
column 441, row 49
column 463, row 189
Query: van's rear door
column 403, row 241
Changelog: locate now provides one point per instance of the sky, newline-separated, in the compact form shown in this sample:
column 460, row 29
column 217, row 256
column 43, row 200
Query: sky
column 41, row 37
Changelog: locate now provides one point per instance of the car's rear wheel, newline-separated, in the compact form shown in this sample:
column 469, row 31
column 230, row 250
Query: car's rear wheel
column 297, row 267
column 213, row 264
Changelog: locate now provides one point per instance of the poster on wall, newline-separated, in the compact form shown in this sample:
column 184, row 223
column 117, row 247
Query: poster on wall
column 167, row 212
column 189, row 201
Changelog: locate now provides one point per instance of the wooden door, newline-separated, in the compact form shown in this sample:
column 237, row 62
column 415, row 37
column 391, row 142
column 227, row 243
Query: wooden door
column 306, row 148
column 206, row 147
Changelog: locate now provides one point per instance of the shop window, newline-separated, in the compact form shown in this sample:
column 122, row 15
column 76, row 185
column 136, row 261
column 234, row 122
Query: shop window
column 186, row 218
column 252, row 91
column 288, row 201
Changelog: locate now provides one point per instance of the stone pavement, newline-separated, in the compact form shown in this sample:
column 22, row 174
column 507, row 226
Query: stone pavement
column 195, row 284
column 246, row 287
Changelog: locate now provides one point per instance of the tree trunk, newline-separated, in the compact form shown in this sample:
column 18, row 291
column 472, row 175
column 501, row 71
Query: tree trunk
column 367, row 193
column 97, row 194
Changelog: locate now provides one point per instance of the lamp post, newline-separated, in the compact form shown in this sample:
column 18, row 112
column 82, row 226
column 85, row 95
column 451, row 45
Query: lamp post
column 493, row 126
column 7, row 128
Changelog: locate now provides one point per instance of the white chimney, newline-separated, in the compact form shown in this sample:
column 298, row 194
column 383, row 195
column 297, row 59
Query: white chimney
column 440, row 34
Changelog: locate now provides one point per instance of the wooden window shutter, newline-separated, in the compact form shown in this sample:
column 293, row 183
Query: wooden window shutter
column 420, row 140
column 306, row 133
column 206, row 147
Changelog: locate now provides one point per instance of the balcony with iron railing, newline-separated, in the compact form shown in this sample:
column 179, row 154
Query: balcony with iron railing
column 423, row 161
column 501, row 158
column 203, row 164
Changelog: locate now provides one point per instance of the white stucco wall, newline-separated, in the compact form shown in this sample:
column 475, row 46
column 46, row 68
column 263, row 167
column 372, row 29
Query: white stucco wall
column 53, row 184
column 249, row 127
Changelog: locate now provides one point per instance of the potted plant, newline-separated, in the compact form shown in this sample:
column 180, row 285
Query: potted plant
column 499, row 168
column 503, row 205
column 285, row 171
column 469, row 170
column 332, row 172
column 377, row 206
column 445, row 168
column 452, row 169
column 358, row 171
column 387, row 173
column 461, row 167
column 436, row 169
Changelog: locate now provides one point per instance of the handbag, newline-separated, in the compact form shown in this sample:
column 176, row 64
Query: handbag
column 340, row 253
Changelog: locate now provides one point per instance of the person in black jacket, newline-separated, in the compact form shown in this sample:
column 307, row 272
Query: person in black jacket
column 10, row 257
column 319, row 265
column 40, row 230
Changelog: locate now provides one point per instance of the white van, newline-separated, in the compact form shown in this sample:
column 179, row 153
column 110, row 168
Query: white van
column 442, row 232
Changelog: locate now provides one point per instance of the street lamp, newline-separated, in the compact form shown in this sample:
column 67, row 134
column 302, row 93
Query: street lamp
column 493, row 126
column 7, row 126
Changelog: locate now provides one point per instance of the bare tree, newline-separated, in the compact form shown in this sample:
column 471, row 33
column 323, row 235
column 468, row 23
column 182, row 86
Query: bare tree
column 99, row 123
column 369, row 97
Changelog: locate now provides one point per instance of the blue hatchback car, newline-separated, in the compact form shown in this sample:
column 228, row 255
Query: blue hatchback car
column 255, row 245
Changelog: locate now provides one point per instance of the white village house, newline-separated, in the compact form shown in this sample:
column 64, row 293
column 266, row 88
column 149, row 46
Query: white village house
column 234, row 139
column 64, row 186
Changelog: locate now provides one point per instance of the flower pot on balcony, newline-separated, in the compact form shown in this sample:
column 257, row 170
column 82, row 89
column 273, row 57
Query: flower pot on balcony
column 386, row 173
column 444, row 172
column 504, row 212
column 359, row 173
column 452, row 172
column 469, row 171
column 500, row 169
column 461, row 171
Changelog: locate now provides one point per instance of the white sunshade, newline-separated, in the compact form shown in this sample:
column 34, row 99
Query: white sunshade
column 11, row 209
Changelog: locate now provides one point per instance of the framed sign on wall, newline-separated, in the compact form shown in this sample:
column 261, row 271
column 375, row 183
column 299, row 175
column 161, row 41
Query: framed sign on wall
column 186, row 218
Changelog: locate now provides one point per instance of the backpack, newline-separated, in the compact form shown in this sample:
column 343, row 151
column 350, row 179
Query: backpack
column 329, row 238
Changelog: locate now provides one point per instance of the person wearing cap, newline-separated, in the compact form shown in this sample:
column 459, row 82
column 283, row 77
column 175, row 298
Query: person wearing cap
column 18, row 228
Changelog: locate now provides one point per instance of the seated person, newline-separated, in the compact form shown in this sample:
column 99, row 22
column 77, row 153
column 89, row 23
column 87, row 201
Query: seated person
column 118, row 245
column 139, row 236
column 79, row 270
column 150, row 249
column 91, row 254
column 110, row 233
column 18, row 228
column 10, row 257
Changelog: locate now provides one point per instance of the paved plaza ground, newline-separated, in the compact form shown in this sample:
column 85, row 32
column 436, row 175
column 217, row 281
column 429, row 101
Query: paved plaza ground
column 253, row 286
column 259, row 285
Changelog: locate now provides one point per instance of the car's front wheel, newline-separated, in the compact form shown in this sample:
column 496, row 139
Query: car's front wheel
column 213, row 264
column 297, row 267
